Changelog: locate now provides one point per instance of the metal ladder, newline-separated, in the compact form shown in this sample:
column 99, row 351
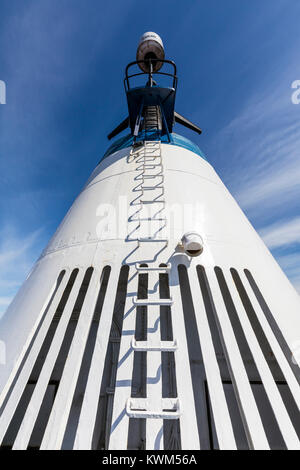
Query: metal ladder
column 154, row 406
column 152, row 118
column 151, row 168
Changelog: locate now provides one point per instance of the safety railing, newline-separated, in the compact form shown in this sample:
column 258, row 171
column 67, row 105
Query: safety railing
column 149, row 64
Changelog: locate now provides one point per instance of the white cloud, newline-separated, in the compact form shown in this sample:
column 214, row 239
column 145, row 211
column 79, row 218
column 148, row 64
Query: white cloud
column 17, row 254
column 275, row 188
column 285, row 236
column 290, row 263
column 282, row 234
column 4, row 301
column 14, row 248
column 264, row 174
column 264, row 138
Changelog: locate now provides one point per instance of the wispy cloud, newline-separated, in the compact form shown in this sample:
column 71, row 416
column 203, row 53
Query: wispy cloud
column 275, row 188
column 264, row 170
column 283, row 238
column 17, row 254
column 12, row 247
column 5, row 301
column 264, row 137
column 290, row 263
column 282, row 234
column 268, row 170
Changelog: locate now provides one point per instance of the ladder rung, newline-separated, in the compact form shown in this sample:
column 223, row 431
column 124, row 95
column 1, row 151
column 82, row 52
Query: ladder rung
column 146, row 302
column 153, row 268
column 148, row 219
column 152, row 240
column 163, row 346
column 151, row 219
column 165, row 408
column 150, row 155
column 149, row 166
column 143, row 219
column 161, row 201
column 148, row 188
column 148, row 177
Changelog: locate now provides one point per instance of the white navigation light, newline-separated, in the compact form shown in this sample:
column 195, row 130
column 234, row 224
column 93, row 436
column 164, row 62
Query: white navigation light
column 192, row 243
column 150, row 47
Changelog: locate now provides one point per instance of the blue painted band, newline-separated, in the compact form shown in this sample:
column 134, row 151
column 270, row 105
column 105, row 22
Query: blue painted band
column 176, row 139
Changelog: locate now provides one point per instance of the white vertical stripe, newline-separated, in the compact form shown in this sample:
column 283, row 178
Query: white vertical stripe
column 282, row 417
column 88, row 412
column 154, row 427
column 33, row 408
column 31, row 335
column 217, row 397
column 276, row 348
column 250, row 414
column 120, row 420
column 188, row 422
column 24, row 376
column 58, row 419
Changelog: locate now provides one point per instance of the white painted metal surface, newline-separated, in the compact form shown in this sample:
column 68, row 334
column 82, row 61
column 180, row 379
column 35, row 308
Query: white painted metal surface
column 134, row 210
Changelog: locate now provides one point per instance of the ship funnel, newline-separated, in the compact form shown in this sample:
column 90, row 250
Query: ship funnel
column 150, row 48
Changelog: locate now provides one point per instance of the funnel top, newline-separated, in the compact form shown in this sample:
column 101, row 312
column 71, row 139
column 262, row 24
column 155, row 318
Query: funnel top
column 151, row 105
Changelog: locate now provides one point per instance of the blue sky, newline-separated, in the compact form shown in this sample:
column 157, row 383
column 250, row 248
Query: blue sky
column 63, row 63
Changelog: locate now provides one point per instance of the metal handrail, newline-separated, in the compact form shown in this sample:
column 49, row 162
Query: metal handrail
column 151, row 72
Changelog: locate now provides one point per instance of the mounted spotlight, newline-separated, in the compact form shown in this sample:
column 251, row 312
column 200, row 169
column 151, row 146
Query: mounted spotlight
column 192, row 244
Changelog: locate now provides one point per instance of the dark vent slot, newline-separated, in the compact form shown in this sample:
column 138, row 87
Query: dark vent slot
column 74, row 415
column 44, row 413
column 196, row 362
column 213, row 439
column 46, row 407
column 105, row 403
column 269, row 421
column 137, row 427
column 218, row 341
column 275, row 369
column 18, row 416
column 58, row 282
column 172, row 439
column 278, row 334
column 169, row 386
